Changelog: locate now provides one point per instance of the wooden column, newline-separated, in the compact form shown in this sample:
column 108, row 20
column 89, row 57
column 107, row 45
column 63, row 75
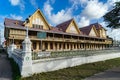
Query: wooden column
column 43, row 45
column 57, row 46
column 48, row 46
column 69, row 46
column 37, row 46
column 72, row 46
column 53, row 46
column 65, row 46
column 62, row 46
column 76, row 46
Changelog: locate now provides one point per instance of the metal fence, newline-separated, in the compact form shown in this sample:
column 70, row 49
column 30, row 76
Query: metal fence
column 85, row 53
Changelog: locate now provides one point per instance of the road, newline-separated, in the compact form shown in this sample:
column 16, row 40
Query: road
column 111, row 74
column 5, row 68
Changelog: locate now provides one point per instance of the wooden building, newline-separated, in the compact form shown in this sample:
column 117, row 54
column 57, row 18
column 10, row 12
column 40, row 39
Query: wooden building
column 64, row 36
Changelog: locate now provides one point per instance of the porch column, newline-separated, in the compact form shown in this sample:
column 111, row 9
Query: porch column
column 57, row 46
column 37, row 46
column 72, row 46
column 48, row 46
column 61, row 46
column 76, row 46
column 54, row 46
column 65, row 46
column 69, row 46
column 43, row 45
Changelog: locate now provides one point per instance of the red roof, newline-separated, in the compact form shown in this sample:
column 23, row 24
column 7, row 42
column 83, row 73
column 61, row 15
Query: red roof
column 86, row 30
column 13, row 23
column 60, row 29
column 63, row 26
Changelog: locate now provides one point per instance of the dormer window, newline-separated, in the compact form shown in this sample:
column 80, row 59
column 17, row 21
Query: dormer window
column 16, row 22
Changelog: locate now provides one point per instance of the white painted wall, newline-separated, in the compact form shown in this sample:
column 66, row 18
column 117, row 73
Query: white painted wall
column 45, row 65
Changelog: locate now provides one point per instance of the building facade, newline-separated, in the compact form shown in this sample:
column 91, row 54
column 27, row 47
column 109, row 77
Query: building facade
column 64, row 36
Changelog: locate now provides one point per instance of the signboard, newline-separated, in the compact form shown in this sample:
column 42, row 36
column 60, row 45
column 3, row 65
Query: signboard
column 41, row 35
column 44, row 54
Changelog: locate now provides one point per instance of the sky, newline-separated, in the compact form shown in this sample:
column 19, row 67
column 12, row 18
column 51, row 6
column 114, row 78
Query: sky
column 84, row 12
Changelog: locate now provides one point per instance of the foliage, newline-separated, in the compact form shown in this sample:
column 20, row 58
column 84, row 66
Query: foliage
column 78, row 72
column 15, row 69
column 113, row 17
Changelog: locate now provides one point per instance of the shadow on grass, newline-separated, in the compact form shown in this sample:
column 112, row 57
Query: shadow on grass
column 15, row 70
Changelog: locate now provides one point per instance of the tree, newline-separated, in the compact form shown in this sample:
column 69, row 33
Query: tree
column 113, row 17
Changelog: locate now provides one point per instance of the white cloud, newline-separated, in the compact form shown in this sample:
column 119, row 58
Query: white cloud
column 2, row 31
column 57, row 18
column 114, row 34
column 34, row 3
column 83, row 22
column 18, row 3
column 16, row 17
column 14, row 2
column 95, row 10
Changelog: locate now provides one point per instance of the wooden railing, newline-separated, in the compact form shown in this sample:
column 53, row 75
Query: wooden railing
column 64, row 39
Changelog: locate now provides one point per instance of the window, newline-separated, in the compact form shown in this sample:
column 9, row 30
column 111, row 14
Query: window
column 37, row 26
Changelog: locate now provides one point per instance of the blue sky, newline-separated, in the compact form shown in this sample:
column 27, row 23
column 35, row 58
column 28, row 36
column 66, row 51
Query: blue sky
column 84, row 12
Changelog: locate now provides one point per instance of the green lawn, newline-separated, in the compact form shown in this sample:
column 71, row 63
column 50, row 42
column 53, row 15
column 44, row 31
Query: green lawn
column 78, row 72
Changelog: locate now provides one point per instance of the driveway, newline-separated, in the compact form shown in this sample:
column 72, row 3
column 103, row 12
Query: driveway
column 111, row 74
column 5, row 68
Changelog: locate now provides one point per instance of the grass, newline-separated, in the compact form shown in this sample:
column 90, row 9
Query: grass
column 15, row 69
column 78, row 72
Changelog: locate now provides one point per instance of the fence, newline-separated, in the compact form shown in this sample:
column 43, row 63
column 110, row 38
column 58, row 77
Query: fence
column 30, row 62
column 82, row 53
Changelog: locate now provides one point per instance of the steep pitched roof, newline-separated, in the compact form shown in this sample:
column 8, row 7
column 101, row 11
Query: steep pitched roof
column 38, row 10
column 64, row 25
column 13, row 23
column 97, row 26
column 86, row 30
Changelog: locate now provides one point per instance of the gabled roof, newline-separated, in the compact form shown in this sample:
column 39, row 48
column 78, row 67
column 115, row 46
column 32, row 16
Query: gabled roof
column 97, row 26
column 38, row 10
column 13, row 23
column 86, row 30
column 64, row 25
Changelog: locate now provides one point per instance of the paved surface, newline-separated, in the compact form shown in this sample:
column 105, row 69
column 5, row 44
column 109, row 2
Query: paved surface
column 5, row 68
column 112, row 74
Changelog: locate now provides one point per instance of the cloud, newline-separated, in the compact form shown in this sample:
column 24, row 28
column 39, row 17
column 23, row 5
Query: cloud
column 16, row 17
column 34, row 3
column 2, row 31
column 94, row 10
column 14, row 2
column 83, row 22
column 19, row 3
column 114, row 34
column 57, row 18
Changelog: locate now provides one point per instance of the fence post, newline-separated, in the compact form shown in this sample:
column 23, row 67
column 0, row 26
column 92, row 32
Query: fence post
column 11, row 49
column 26, row 68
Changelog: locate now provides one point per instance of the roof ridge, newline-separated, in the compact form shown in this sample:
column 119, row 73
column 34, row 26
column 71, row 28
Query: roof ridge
column 13, row 19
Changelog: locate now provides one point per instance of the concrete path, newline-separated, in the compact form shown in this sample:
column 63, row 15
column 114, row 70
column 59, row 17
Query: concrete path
column 5, row 68
column 112, row 74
